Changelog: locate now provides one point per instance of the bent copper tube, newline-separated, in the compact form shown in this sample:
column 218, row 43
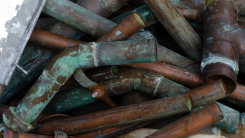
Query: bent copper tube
column 87, row 21
column 191, row 124
column 222, row 46
column 103, row 8
column 178, row 27
column 14, row 134
column 114, row 131
column 122, row 115
column 61, row 67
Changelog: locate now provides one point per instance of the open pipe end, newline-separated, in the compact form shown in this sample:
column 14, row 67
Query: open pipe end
column 139, row 18
column 218, row 109
column 189, row 102
column 114, row 71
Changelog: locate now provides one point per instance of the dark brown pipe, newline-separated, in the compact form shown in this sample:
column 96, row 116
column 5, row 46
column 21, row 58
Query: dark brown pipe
column 2, row 89
column 222, row 43
column 178, row 27
column 114, row 131
column 14, row 134
column 102, row 73
column 191, row 14
column 122, row 115
column 125, row 29
column 191, row 124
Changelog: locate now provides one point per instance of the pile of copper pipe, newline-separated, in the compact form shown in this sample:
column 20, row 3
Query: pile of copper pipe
column 170, row 84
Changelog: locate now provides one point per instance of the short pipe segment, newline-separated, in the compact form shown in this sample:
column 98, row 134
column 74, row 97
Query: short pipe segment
column 61, row 67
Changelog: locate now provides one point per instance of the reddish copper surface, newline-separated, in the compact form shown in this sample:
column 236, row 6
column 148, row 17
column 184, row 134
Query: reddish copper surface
column 119, row 116
column 125, row 29
column 238, row 94
column 191, row 124
column 13, row 134
column 179, row 75
column 208, row 93
column 53, row 41
column 191, row 14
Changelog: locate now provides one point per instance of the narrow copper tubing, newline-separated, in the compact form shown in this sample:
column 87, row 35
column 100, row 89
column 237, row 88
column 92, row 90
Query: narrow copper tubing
column 114, row 131
column 14, row 134
column 125, row 29
column 146, row 111
column 179, row 75
column 191, row 124
column 238, row 94
column 51, row 40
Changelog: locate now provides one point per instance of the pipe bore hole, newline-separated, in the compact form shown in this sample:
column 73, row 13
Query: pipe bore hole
column 229, row 83
column 114, row 71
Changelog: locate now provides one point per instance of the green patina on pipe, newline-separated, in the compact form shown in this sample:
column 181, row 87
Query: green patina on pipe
column 61, row 67
column 148, row 82
column 70, row 99
column 97, row 26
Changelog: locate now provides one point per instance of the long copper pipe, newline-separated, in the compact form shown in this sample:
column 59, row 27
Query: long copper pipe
column 14, row 134
column 191, row 124
column 122, row 115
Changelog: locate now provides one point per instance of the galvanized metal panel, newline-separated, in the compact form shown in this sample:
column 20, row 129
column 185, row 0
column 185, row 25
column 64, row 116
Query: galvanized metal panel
column 18, row 18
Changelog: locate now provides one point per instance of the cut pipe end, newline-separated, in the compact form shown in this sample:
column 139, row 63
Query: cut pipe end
column 114, row 71
column 139, row 19
column 189, row 102
column 218, row 109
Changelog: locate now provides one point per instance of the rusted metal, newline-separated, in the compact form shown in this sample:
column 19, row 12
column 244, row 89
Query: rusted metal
column 61, row 67
column 51, row 40
column 178, row 27
column 14, row 134
column 102, row 73
column 191, row 124
column 103, row 8
column 176, row 74
column 221, row 44
column 114, row 131
column 122, row 115
column 125, row 29
column 148, row 82
column 238, row 94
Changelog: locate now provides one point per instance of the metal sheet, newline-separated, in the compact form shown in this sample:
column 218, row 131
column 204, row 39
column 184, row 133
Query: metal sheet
column 18, row 18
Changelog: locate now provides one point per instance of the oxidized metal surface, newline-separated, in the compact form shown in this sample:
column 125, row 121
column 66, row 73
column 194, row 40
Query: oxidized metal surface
column 18, row 18
column 125, row 29
column 114, row 131
column 2, row 87
column 82, row 79
column 13, row 134
column 191, row 14
column 142, row 80
column 53, row 41
column 221, row 46
column 87, row 22
column 69, row 99
column 119, row 116
column 103, row 8
column 178, row 27
column 61, row 67
column 238, row 94
column 179, row 75
column 191, row 124
column 208, row 93
column 102, row 73
column 231, row 119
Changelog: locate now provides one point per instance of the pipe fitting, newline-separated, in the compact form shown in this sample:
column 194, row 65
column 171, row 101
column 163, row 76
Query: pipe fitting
column 222, row 45
column 61, row 67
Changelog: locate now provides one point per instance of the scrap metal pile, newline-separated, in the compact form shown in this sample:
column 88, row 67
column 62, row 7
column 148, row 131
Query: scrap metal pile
column 128, row 69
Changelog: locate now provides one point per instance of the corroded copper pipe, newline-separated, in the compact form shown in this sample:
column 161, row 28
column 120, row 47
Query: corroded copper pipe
column 179, row 75
column 191, row 14
column 238, row 94
column 102, row 73
column 61, row 67
column 103, row 8
column 125, row 29
column 14, row 134
column 221, row 43
column 2, row 89
column 122, row 115
column 191, row 124
column 114, row 131
column 53, row 41
column 178, row 27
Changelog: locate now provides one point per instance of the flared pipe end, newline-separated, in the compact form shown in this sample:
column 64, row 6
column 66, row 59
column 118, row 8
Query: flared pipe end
column 220, row 71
